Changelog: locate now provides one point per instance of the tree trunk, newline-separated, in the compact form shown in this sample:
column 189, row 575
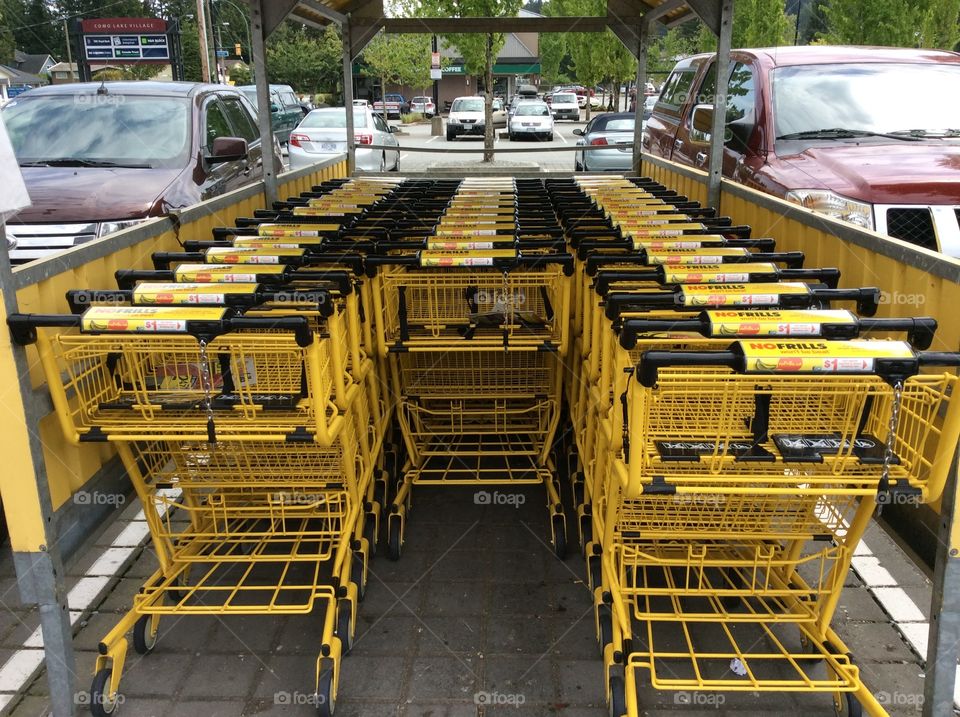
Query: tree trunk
column 488, row 130
column 588, row 105
column 383, row 98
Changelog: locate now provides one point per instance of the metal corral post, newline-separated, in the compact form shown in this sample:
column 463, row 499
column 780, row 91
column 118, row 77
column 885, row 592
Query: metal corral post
column 27, row 503
column 718, row 129
column 348, row 97
column 643, row 47
column 942, row 647
column 259, row 37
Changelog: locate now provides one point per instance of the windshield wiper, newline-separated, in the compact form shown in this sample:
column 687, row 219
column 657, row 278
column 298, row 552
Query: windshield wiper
column 77, row 162
column 928, row 133
column 839, row 133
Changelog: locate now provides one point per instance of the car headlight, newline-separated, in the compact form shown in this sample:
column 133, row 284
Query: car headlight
column 111, row 227
column 834, row 205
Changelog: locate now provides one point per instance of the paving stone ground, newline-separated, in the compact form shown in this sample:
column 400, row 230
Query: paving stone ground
column 478, row 618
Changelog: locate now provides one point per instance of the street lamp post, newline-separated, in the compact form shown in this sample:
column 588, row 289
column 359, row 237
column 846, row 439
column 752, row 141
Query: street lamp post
column 246, row 22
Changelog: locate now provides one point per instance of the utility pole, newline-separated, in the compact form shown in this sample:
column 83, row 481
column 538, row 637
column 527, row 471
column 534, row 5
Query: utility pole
column 66, row 36
column 204, row 49
column 215, row 35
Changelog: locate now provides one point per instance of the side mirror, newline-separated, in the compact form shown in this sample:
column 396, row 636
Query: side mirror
column 393, row 129
column 227, row 149
column 701, row 124
column 578, row 132
column 274, row 107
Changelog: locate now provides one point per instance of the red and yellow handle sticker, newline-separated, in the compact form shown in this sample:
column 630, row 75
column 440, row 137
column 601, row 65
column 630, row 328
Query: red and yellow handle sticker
column 760, row 294
column 708, row 255
column 856, row 356
column 294, row 230
column 144, row 319
column 465, row 258
column 671, row 230
column 715, row 273
column 224, row 273
column 180, row 294
column 249, row 255
column 776, row 323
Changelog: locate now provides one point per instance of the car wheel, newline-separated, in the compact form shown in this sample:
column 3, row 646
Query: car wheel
column 450, row 136
column 383, row 162
column 577, row 167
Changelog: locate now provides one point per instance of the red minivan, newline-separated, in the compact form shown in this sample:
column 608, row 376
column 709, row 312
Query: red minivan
column 867, row 135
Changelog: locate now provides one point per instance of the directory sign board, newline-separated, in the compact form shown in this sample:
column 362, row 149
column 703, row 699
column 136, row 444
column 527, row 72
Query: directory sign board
column 125, row 40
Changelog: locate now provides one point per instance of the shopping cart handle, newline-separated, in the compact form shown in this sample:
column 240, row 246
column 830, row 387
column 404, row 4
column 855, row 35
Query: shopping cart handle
column 867, row 298
column 80, row 299
column 376, row 260
column 536, row 260
column 128, row 278
column 585, row 247
column 312, row 298
column 343, row 280
column 23, row 327
column 619, row 301
column 793, row 259
column 630, row 329
column 920, row 331
column 163, row 259
column 830, row 277
column 948, row 359
column 601, row 284
column 652, row 361
column 595, row 261
column 296, row 324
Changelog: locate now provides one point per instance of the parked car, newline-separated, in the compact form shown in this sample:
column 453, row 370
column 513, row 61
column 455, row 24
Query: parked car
column 648, row 105
column 393, row 105
column 499, row 113
column 531, row 119
column 423, row 105
column 612, row 128
column 466, row 117
column 814, row 125
column 323, row 133
column 285, row 109
column 101, row 157
column 565, row 106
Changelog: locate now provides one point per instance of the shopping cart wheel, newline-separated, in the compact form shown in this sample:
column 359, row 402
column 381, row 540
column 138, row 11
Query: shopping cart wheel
column 325, row 701
column 394, row 536
column 593, row 570
column 370, row 533
column 559, row 526
column 586, row 531
column 345, row 625
column 578, row 490
column 848, row 705
column 359, row 574
column 143, row 641
column 618, row 697
column 605, row 625
column 101, row 702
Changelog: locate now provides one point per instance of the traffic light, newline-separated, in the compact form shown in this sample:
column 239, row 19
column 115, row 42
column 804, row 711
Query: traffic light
column 237, row 50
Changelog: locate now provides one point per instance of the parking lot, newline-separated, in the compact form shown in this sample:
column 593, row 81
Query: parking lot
column 418, row 135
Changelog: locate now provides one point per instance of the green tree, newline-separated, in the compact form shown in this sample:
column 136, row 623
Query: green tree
column 756, row 23
column 478, row 50
column 873, row 22
column 190, row 49
column 398, row 60
column 301, row 60
column 241, row 75
column 6, row 39
column 35, row 29
column 940, row 27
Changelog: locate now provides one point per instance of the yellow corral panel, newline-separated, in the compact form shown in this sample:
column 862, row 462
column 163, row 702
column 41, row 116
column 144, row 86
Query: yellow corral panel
column 70, row 467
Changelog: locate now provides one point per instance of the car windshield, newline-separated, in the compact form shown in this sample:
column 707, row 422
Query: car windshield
column 858, row 97
column 121, row 130
column 624, row 124
column 532, row 110
column 334, row 118
column 569, row 98
column 251, row 95
column 471, row 105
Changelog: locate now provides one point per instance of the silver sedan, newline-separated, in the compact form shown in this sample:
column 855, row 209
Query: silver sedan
column 323, row 134
column 615, row 128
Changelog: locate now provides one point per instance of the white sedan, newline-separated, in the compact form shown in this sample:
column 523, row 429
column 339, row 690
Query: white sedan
column 533, row 120
column 323, row 134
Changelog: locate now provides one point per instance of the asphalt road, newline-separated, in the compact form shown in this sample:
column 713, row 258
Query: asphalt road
column 419, row 136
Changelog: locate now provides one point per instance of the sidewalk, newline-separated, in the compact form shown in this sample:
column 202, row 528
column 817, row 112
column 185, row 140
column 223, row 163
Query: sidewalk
column 477, row 618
